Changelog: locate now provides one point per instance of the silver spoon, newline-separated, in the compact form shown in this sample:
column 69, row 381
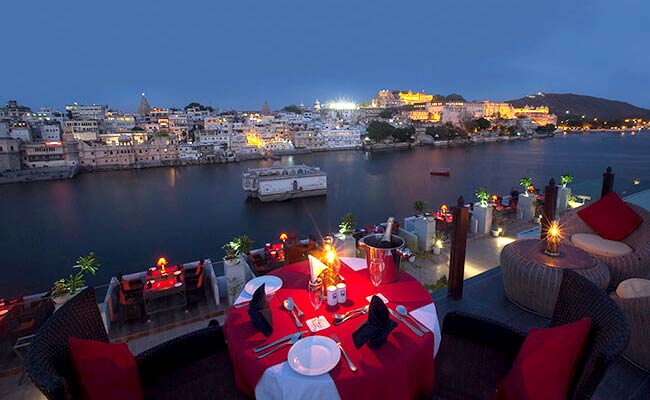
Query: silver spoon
column 341, row 316
column 300, row 313
column 401, row 310
column 288, row 305
column 353, row 315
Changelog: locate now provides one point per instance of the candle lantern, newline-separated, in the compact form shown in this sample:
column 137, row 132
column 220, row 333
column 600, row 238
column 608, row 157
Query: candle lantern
column 553, row 240
column 330, row 276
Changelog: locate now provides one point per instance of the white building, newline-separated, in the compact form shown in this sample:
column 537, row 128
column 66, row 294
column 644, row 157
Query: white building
column 179, row 125
column 81, row 130
column 119, row 123
column 22, row 131
column 81, row 112
column 4, row 129
column 341, row 138
column 188, row 151
column 51, row 132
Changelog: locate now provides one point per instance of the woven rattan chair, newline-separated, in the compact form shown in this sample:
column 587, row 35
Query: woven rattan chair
column 193, row 366
column 633, row 265
column 475, row 353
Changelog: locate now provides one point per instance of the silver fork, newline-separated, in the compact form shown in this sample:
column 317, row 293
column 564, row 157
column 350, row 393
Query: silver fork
column 335, row 338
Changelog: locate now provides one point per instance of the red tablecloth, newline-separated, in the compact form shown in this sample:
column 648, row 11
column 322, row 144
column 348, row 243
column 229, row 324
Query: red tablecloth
column 402, row 368
column 164, row 283
column 156, row 273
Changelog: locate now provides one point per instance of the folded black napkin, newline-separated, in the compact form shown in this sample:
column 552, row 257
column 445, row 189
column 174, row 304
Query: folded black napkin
column 376, row 329
column 260, row 312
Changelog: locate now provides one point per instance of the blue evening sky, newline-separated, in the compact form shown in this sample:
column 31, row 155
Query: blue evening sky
column 236, row 54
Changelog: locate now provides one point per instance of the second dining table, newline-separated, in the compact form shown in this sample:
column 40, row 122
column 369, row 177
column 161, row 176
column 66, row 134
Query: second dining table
column 402, row 368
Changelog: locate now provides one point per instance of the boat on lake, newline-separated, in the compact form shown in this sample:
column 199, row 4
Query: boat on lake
column 279, row 183
column 441, row 171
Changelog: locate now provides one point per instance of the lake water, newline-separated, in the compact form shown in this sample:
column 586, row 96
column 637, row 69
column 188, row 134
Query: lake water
column 129, row 218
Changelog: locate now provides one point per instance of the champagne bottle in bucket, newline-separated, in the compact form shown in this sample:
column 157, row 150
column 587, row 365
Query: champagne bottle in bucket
column 386, row 239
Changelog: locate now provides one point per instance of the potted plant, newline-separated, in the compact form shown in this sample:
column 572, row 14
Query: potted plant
column 346, row 227
column 419, row 206
column 439, row 240
column 235, row 264
column 347, row 246
column 65, row 288
column 526, row 182
column 483, row 195
column 566, row 179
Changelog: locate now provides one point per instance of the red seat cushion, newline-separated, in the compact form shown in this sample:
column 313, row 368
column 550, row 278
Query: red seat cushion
column 546, row 363
column 105, row 370
column 611, row 218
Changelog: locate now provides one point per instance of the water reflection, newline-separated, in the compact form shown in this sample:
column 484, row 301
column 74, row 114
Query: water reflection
column 130, row 217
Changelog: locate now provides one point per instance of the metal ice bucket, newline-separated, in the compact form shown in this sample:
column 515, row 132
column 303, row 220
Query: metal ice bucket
column 391, row 256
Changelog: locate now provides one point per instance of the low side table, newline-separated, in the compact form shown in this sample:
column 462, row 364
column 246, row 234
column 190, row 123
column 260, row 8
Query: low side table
column 531, row 278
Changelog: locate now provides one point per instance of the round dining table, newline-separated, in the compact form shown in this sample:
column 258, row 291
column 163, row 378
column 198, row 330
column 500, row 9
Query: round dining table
column 402, row 368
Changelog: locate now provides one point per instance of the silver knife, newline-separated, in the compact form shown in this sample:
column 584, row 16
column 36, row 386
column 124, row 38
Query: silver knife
column 291, row 342
column 284, row 339
column 399, row 318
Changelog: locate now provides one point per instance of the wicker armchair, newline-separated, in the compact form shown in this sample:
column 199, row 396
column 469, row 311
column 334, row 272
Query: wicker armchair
column 476, row 353
column 637, row 311
column 633, row 265
column 193, row 366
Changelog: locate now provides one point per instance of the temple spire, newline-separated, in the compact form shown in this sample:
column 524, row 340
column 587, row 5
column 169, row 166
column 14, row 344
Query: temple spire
column 266, row 110
column 144, row 108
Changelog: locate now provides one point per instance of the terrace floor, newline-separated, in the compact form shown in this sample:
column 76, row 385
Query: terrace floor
column 484, row 295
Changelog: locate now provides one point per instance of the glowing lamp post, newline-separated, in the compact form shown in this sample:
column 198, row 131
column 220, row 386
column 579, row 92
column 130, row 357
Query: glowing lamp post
column 553, row 240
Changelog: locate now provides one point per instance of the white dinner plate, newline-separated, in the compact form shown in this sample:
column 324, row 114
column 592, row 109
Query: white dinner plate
column 177, row 272
column 178, row 284
column 273, row 283
column 314, row 355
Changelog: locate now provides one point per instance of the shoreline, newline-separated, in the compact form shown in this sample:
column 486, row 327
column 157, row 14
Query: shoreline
column 62, row 173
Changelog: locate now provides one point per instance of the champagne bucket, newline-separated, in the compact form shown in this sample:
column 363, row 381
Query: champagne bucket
column 391, row 256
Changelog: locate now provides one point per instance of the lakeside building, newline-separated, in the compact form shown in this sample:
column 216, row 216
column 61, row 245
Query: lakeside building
column 341, row 138
column 81, row 129
column 124, row 138
column 9, row 154
column 157, row 151
column 82, row 112
column 49, row 155
column 539, row 115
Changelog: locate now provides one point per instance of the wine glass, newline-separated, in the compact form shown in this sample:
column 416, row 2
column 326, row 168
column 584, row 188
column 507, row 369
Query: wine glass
column 376, row 271
column 316, row 296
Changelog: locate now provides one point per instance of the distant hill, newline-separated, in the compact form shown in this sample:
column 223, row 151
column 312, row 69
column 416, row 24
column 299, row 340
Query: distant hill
column 578, row 105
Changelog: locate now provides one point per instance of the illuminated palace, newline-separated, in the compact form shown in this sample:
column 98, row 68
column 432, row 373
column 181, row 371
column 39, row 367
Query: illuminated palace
column 388, row 99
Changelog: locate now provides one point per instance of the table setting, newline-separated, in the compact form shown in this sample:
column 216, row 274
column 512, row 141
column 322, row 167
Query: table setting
column 359, row 338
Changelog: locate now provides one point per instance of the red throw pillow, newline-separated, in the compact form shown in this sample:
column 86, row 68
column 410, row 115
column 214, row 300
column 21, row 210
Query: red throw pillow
column 105, row 370
column 546, row 363
column 611, row 218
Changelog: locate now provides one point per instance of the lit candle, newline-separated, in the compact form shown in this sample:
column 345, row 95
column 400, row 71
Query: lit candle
column 553, row 239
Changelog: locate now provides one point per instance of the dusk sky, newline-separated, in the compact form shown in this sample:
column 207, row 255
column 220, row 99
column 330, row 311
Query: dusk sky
column 237, row 54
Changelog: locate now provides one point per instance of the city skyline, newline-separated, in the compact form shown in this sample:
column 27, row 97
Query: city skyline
column 238, row 56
